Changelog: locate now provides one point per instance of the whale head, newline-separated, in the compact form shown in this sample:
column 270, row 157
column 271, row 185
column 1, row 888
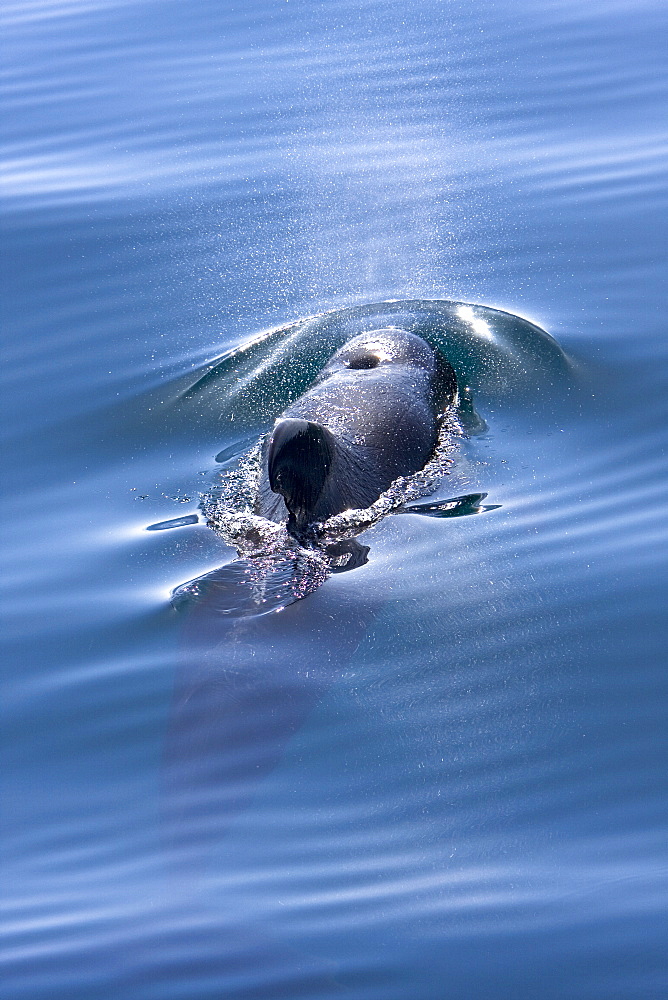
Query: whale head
column 371, row 415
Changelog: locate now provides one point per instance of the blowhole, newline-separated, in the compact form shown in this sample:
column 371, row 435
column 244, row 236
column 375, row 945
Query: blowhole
column 363, row 360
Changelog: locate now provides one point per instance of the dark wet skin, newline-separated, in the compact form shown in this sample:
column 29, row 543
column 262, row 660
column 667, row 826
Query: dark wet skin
column 372, row 415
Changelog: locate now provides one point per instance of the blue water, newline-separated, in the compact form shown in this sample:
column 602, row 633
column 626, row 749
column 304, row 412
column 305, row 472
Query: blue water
column 443, row 774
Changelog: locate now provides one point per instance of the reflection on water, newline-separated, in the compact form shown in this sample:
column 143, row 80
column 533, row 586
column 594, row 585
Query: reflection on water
column 442, row 773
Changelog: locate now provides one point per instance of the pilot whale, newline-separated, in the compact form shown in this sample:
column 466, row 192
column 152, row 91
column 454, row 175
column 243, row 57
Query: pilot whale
column 372, row 415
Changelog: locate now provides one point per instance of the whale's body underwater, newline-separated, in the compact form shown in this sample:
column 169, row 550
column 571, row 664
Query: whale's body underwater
column 372, row 415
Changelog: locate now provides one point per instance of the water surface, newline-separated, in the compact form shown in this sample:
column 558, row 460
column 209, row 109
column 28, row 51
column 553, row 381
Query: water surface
column 443, row 773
